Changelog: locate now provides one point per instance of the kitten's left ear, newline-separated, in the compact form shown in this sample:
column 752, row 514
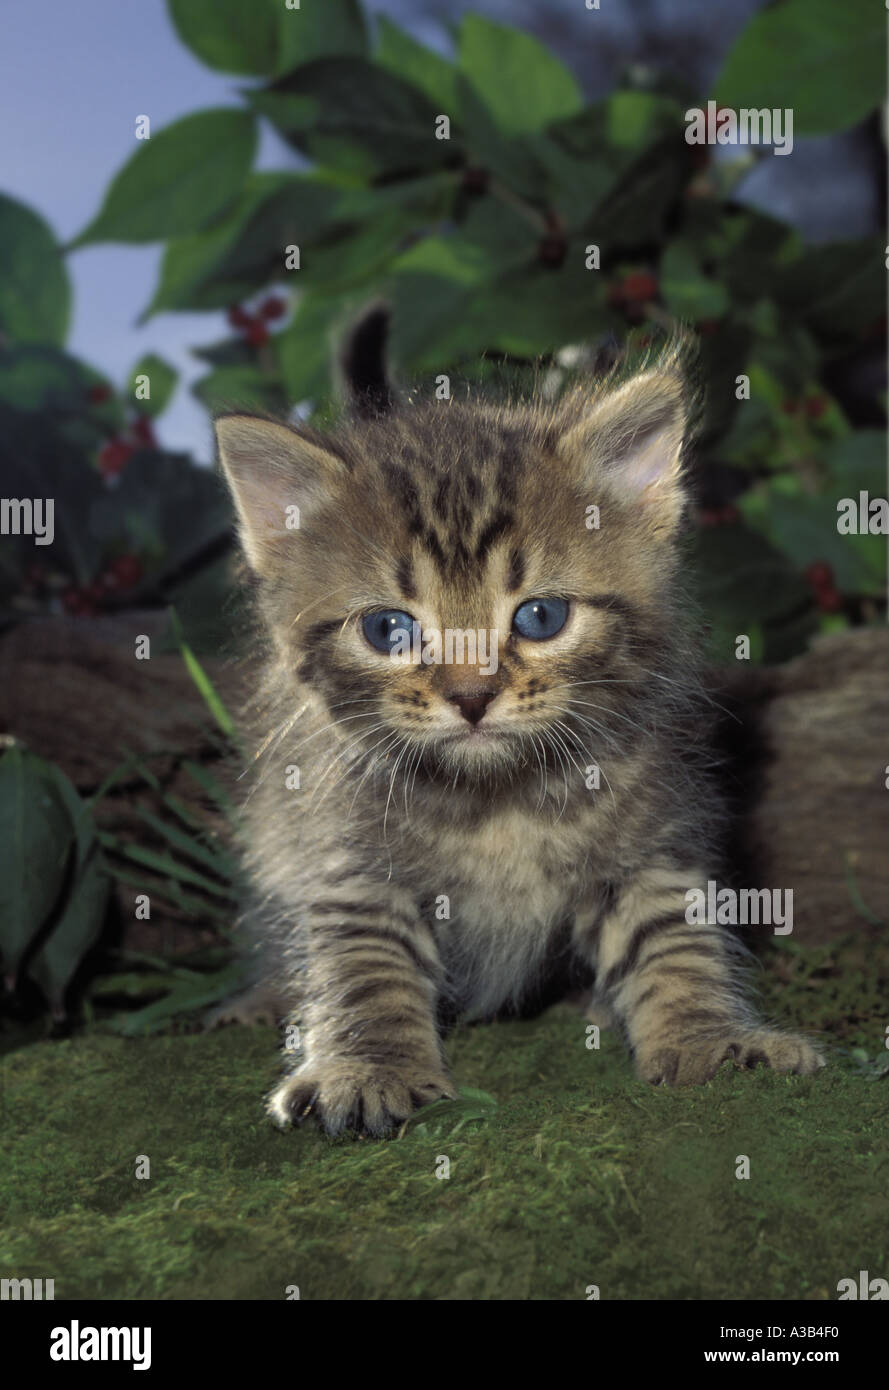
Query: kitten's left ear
column 631, row 438
column 275, row 475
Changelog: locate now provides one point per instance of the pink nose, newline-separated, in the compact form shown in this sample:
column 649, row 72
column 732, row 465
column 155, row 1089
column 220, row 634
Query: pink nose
column 472, row 704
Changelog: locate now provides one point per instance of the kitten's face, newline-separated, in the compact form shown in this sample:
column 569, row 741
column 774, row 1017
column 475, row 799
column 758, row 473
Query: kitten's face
column 448, row 593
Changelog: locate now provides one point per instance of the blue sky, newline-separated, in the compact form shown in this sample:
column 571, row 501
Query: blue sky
column 76, row 76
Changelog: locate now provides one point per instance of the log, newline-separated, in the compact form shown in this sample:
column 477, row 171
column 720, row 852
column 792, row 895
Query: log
column 806, row 747
column 809, row 772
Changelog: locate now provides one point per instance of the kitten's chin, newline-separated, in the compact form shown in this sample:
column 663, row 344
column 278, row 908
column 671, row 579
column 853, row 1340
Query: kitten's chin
column 478, row 751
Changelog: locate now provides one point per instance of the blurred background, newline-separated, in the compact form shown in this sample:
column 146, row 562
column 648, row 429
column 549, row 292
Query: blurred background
column 71, row 134
column 196, row 200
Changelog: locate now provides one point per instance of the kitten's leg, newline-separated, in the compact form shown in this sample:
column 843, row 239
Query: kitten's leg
column 675, row 989
column 372, row 1051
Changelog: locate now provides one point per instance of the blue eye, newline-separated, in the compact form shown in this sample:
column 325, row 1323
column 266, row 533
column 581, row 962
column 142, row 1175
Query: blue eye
column 540, row 618
column 385, row 628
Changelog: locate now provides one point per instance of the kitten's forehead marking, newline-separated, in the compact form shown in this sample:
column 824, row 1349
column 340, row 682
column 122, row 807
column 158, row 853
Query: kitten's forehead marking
column 457, row 498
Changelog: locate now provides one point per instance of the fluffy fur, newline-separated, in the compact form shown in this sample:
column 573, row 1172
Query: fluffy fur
column 427, row 866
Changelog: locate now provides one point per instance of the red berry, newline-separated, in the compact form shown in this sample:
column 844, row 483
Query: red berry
column 127, row 570
column 143, row 430
column 475, row 181
column 552, row 250
column 273, row 308
column 820, row 575
column 113, row 457
column 639, row 287
column 256, row 334
column 815, row 407
column 828, row 601
column 99, row 393
column 238, row 317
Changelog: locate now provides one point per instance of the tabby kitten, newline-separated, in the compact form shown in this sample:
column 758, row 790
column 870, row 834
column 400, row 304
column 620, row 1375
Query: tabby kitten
column 464, row 832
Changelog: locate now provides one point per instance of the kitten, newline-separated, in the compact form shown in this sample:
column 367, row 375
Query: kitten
column 465, row 831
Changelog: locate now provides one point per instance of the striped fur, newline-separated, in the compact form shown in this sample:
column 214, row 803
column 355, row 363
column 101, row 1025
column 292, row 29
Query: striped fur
column 422, row 871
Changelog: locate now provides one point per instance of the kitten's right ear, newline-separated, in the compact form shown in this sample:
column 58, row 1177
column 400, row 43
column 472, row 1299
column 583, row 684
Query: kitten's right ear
column 276, row 477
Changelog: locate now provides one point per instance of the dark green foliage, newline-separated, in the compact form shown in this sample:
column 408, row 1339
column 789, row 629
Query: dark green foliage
column 53, row 879
column 541, row 223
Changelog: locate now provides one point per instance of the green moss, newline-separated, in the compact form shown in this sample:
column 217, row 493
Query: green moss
column 582, row 1175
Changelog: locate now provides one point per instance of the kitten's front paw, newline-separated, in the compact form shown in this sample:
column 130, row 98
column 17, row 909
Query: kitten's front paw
column 690, row 1063
column 350, row 1094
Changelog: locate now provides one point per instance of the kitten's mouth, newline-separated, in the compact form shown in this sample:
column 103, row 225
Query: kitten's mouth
column 473, row 734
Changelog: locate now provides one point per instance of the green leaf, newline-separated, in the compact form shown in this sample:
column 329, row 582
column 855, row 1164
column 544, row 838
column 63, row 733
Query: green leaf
column 521, row 83
column 400, row 53
column 230, row 35
column 512, row 158
column 355, row 117
column 454, row 257
column 211, row 787
column 320, row 29
column 824, row 61
column 805, row 529
column 838, row 289
column 587, row 156
column 170, row 894
column 35, row 842
column 452, row 1115
column 163, row 864
column 35, row 292
column 306, row 349
column 687, row 291
column 635, row 212
column 189, row 273
column 857, row 461
column 77, row 929
column 82, row 824
column 43, row 379
column 750, row 249
column 189, row 845
column 239, row 388
column 210, row 694
column 187, row 996
column 295, row 211
column 743, row 578
column 161, row 384
column 634, row 120
column 179, row 181
column 228, row 352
